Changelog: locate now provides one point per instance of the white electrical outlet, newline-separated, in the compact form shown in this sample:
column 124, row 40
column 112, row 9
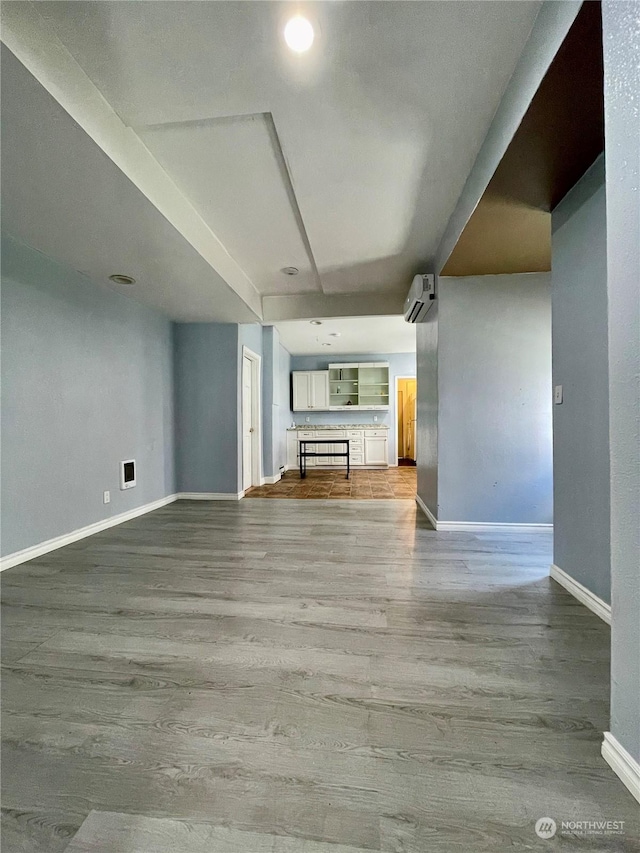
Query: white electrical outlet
column 557, row 395
column 375, row 417
column 308, row 420
column 106, row 497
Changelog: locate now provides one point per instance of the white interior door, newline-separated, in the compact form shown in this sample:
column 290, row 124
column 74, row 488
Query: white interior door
column 247, row 423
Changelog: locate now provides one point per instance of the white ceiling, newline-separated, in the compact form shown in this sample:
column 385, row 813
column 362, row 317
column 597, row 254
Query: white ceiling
column 63, row 195
column 354, row 335
column 345, row 162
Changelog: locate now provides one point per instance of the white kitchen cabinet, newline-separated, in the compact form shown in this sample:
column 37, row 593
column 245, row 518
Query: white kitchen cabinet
column 310, row 390
column 359, row 386
column 375, row 448
column 349, row 386
column 329, row 448
column 367, row 447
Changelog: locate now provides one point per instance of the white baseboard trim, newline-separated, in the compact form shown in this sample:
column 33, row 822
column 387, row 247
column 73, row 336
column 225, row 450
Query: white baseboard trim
column 584, row 595
column 425, row 509
column 624, row 765
column 209, row 496
column 478, row 526
column 34, row 551
column 491, row 527
column 271, row 480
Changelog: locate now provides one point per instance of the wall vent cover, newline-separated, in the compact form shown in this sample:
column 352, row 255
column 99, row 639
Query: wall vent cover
column 128, row 474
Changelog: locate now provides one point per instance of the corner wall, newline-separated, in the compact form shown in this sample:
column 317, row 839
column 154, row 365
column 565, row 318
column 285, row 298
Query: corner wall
column 286, row 416
column 484, row 401
column 207, row 423
column 580, row 365
column 494, row 391
column 621, row 32
column 86, row 383
column 276, row 405
column 427, row 409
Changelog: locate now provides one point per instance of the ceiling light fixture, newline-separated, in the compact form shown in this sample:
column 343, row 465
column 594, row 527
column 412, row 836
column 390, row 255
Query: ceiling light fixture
column 316, row 322
column 290, row 270
column 298, row 34
column 334, row 334
column 326, row 345
column 118, row 278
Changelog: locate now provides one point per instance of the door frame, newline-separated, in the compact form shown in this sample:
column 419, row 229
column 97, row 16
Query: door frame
column 398, row 379
column 256, row 418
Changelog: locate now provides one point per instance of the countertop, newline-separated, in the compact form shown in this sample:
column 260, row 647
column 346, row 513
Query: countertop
column 337, row 426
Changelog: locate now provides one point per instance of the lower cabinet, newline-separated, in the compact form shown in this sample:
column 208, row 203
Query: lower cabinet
column 375, row 450
column 366, row 447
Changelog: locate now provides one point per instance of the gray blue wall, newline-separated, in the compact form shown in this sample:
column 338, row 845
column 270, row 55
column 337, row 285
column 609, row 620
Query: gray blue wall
column 276, row 405
column 208, row 365
column 580, row 365
column 286, row 416
column 250, row 335
column 400, row 364
column 270, row 378
column 86, row 383
column 207, row 423
column 427, row 426
column 484, row 401
column 494, row 389
column 621, row 37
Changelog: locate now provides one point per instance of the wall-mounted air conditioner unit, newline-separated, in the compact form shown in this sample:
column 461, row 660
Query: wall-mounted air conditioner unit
column 420, row 298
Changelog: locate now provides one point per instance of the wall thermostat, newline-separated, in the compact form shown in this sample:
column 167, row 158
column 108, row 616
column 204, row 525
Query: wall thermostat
column 128, row 474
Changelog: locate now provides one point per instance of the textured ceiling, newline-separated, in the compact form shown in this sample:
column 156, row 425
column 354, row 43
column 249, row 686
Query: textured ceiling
column 560, row 136
column 345, row 162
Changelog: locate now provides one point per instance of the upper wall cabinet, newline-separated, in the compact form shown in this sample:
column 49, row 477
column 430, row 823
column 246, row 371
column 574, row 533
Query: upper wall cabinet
column 343, row 387
column 310, row 390
column 362, row 386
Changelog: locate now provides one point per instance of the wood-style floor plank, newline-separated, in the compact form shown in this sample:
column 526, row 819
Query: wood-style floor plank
column 315, row 676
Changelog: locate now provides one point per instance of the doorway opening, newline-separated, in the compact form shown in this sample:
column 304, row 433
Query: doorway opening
column 406, row 401
column 251, row 420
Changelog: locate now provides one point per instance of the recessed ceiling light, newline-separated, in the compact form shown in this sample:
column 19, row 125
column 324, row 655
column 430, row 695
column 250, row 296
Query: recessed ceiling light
column 326, row 345
column 316, row 322
column 118, row 278
column 334, row 334
column 290, row 270
column 298, row 34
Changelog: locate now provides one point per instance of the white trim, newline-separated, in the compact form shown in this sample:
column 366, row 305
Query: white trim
column 271, row 480
column 81, row 533
column 478, row 526
column 624, row 765
column 425, row 509
column 491, row 527
column 395, row 420
column 209, row 496
column 584, row 595
column 256, row 416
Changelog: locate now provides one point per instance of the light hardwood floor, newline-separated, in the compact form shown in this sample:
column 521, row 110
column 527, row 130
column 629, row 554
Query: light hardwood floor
column 301, row 677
